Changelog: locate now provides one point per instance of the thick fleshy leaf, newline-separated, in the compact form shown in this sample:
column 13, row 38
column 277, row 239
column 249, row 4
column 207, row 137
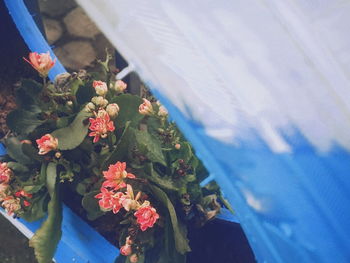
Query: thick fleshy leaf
column 36, row 210
column 23, row 121
column 121, row 151
column 181, row 241
column 46, row 238
column 72, row 136
column 14, row 150
column 149, row 146
column 129, row 109
column 90, row 204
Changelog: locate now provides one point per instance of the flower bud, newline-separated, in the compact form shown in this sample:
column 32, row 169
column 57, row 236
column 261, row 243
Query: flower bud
column 69, row 103
column 41, row 62
column 119, row 86
column 100, row 101
column 100, row 87
column 146, row 108
column 47, row 143
column 126, row 250
column 58, row 155
column 113, row 110
column 90, row 107
column 133, row 258
column 177, row 146
column 162, row 112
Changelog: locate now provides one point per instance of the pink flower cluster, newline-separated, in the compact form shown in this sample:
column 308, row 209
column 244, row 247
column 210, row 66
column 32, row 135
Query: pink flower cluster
column 100, row 126
column 112, row 199
column 11, row 202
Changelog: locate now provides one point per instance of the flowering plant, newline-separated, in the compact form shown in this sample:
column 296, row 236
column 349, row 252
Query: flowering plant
column 84, row 134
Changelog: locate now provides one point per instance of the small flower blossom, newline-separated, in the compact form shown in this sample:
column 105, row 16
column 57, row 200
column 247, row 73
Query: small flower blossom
column 129, row 202
column 41, row 62
column 3, row 191
column 5, row 173
column 177, row 146
column 26, row 203
column 146, row 216
column 47, row 143
column 11, row 204
column 146, row 107
column 133, row 258
column 162, row 112
column 126, row 250
column 110, row 200
column 100, row 87
column 119, row 86
column 100, row 126
column 90, row 107
column 115, row 176
column 100, row 101
column 113, row 110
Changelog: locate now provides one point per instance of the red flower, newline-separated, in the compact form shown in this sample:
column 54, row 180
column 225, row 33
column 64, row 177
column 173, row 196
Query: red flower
column 23, row 193
column 110, row 200
column 41, row 62
column 115, row 176
column 100, row 126
column 5, row 173
column 47, row 143
column 146, row 216
column 26, row 203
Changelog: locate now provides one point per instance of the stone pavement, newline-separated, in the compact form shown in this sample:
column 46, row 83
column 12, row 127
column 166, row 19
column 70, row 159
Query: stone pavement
column 76, row 40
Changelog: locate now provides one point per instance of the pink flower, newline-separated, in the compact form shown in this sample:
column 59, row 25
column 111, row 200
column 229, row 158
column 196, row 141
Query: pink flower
column 146, row 108
column 11, row 204
column 41, row 62
column 115, row 176
column 100, row 126
column 26, row 203
column 3, row 191
column 126, row 250
column 110, row 200
column 146, row 216
column 47, row 143
column 119, row 86
column 100, row 87
column 5, row 173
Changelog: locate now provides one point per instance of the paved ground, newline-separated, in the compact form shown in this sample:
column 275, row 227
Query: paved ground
column 76, row 40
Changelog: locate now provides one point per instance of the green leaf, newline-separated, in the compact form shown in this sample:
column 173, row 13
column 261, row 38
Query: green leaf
column 121, row 151
column 129, row 110
column 164, row 182
column 27, row 95
column 36, row 209
column 90, row 204
column 32, row 152
column 72, row 136
column 46, row 238
column 17, row 167
column 85, row 93
column 22, row 121
column 14, row 150
column 181, row 241
column 51, row 178
column 149, row 146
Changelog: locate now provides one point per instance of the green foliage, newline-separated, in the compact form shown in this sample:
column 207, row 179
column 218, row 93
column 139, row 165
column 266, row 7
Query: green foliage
column 90, row 204
column 23, row 121
column 14, row 150
column 72, row 136
column 149, row 146
column 129, row 105
column 181, row 242
column 46, row 238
